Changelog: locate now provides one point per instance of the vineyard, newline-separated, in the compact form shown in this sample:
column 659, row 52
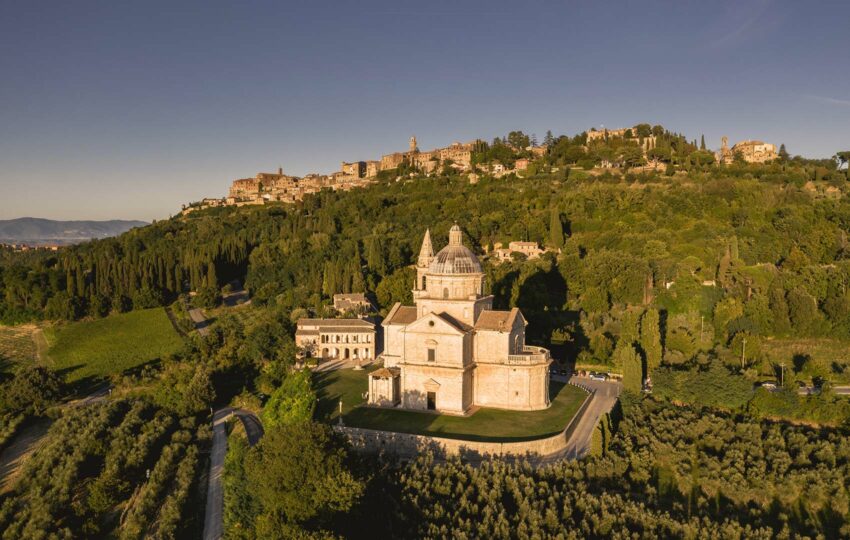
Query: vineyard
column 96, row 349
column 123, row 469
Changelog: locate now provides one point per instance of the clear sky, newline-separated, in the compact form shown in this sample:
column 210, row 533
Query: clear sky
column 120, row 109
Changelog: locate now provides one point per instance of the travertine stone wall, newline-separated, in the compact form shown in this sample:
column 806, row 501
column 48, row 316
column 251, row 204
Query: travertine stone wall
column 512, row 387
column 453, row 393
column 408, row 445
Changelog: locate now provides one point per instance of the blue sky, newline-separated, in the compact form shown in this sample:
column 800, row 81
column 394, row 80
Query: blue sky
column 128, row 109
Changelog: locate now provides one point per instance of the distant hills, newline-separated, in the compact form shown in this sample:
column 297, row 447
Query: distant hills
column 39, row 231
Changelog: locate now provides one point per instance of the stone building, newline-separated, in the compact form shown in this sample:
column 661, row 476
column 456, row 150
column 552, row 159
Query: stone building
column 451, row 351
column 646, row 143
column 372, row 168
column 356, row 302
column 530, row 249
column 356, row 169
column 391, row 161
column 750, row 151
column 460, row 155
column 336, row 338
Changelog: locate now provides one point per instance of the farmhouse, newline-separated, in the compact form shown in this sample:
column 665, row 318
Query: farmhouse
column 336, row 338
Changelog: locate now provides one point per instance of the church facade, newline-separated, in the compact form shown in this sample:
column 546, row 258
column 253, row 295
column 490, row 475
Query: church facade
column 451, row 351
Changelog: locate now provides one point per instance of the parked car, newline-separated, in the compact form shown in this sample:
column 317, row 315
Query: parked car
column 594, row 376
column 769, row 386
column 563, row 372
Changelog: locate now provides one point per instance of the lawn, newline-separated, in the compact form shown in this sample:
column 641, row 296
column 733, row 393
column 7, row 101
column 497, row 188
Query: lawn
column 87, row 352
column 827, row 358
column 485, row 425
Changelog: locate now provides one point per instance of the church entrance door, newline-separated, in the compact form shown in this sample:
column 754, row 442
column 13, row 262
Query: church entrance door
column 432, row 401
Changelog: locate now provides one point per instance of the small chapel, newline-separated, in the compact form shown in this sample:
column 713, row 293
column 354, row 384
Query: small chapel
column 451, row 351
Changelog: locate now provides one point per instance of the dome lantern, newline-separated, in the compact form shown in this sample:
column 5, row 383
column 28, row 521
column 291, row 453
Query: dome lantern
column 455, row 258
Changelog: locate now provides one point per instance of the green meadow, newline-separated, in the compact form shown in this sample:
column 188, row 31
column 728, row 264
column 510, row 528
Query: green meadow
column 89, row 351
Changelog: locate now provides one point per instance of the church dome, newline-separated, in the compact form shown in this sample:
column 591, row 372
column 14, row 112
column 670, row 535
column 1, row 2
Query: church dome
column 455, row 258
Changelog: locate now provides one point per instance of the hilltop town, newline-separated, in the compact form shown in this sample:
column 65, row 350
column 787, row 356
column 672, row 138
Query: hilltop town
column 280, row 187
column 638, row 148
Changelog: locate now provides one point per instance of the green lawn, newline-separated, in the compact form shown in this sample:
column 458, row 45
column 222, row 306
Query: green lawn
column 827, row 358
column 86, row 352
column 485, row 425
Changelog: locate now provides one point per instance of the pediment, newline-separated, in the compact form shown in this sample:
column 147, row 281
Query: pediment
column 431, row 385
column 433, row 323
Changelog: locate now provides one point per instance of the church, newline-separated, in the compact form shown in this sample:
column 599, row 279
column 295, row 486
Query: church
column 451, row 352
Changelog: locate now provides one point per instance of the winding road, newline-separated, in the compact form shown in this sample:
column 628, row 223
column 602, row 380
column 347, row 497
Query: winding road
column 213, row 517
column 605, row 395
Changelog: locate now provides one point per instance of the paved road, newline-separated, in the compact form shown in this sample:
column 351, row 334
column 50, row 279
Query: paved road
column 200, row 320
column 603, row 400
column 95, row 397
column 214, row 518
column 238, row 296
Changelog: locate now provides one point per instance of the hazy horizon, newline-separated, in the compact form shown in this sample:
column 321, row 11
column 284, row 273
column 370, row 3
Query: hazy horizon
column 127, row 111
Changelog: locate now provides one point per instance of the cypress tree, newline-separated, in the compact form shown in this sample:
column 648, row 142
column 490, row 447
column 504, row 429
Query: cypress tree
column 212, row 278
column 650, row 339
column 375, row 256
column 556, row 229
column 627, row 359
column 702, row 142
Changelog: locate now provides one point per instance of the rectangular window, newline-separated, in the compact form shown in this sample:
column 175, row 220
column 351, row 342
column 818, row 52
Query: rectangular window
column 432, row 355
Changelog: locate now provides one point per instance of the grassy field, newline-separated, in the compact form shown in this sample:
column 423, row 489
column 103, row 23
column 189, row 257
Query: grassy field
column 17, row 346
column 827, row 358
column 485, row 425
column 86, row 352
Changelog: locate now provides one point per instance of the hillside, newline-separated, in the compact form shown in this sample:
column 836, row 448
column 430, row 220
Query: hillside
column 47, row 231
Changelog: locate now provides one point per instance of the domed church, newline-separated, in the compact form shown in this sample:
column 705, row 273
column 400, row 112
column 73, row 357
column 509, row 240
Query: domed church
column 452, row 351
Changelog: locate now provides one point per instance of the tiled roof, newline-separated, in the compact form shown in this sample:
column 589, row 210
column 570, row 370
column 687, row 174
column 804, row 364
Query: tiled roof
column 348, row 323
column 454, row 322
column 360, row 297
column 496, row 320
column 385, row 373
column 400, row 314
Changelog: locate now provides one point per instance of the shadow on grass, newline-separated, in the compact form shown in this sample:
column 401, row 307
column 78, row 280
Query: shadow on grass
column 485, row 425
column 331, row 387
column 7, row 368
column 90, row 384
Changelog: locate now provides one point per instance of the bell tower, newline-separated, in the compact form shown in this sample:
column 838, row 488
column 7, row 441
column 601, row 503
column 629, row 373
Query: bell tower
column 426, row 255
column 413, row 147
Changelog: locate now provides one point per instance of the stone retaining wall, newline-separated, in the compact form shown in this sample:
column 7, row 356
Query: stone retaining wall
column 409, row 445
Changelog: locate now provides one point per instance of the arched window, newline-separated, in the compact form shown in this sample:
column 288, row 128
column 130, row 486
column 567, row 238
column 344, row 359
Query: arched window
column 445, row 292
column 424, row 282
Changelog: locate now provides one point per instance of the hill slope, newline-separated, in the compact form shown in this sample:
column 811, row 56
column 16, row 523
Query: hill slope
column 37, row 230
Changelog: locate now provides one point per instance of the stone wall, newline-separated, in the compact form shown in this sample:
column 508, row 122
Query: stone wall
column 409, row 445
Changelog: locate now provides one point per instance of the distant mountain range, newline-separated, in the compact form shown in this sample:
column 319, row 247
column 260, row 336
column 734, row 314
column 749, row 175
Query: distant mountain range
column 39, row 231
